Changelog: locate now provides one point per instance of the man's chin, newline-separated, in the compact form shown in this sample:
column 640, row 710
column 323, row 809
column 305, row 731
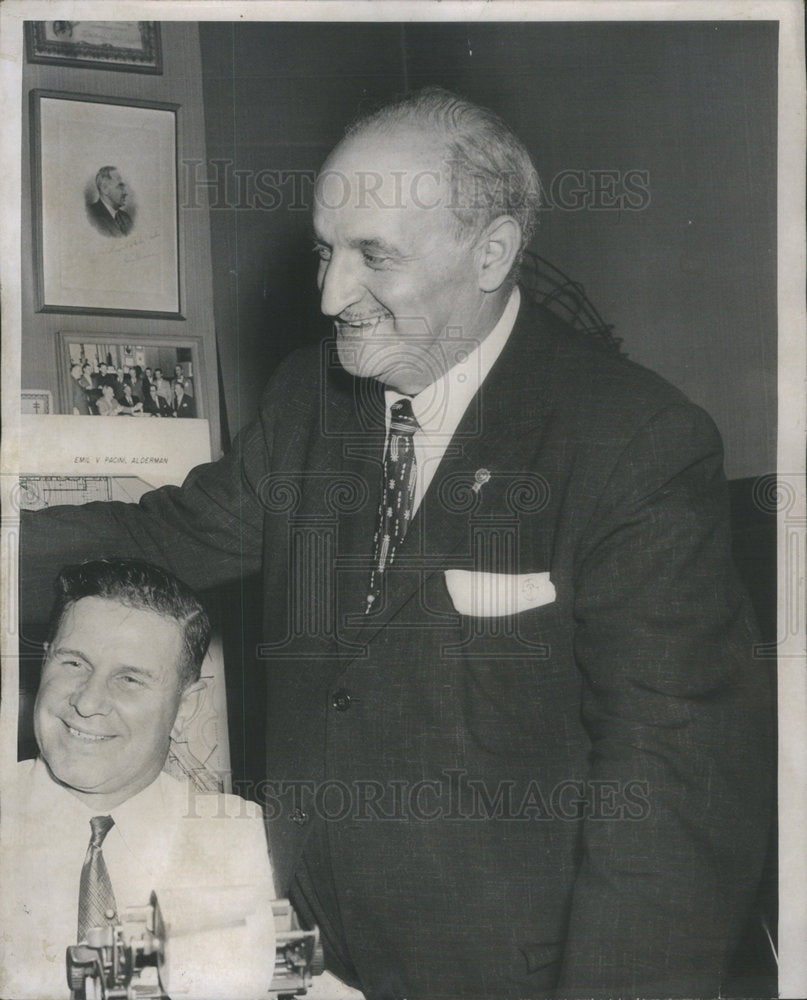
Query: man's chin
column 401, row 367
column 85, row 780
column 360, row 357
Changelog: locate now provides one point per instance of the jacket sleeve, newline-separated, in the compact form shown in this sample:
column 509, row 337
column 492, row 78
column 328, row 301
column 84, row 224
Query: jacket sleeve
column 208, row 531
column 681, row 724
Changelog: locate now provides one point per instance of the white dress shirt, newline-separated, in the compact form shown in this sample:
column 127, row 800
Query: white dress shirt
column 439, row 407
column 204, row 855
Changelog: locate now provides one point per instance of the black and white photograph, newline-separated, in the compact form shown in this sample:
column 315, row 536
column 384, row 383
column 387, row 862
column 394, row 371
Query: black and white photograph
column 480, row 333
column 105, row 204
column 108, row 375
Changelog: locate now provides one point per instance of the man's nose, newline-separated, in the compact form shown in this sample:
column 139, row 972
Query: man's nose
column 339, row 285
column 91, row 697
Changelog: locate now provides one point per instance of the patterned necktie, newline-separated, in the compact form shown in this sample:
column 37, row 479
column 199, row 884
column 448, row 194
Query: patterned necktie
column 397, row 492
column 96, row 900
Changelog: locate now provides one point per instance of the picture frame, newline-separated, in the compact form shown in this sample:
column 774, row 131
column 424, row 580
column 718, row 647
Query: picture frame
column 130, row 46
column 128, row 350
column 104, row 200
column 37, row 402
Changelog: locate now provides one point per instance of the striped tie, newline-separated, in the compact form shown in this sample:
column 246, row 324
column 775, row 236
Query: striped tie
column 397, row 493
column 96, row 900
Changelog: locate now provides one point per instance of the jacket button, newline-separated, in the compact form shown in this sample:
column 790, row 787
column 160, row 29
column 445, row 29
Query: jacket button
column 299, row 817
column 341, row 701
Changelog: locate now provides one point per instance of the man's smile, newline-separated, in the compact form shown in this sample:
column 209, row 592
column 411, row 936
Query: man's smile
column 362, row 323
column 84, row 734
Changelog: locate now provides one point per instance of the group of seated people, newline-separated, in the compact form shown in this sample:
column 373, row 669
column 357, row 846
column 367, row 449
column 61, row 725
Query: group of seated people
column 119, row 392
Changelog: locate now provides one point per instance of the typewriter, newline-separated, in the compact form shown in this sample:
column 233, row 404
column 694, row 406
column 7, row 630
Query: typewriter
column 125, row 961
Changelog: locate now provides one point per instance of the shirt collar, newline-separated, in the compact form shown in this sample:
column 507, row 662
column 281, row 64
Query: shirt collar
column 142, row 820
column 439, row 407
column 134, row 818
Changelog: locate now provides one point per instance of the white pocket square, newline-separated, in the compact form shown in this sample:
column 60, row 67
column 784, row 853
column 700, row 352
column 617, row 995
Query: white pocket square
column 491, row 595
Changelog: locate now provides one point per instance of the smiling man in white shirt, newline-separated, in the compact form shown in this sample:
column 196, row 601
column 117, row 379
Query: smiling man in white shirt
column 120, row 679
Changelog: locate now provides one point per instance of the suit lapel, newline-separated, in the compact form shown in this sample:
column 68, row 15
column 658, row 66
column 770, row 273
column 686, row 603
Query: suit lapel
column 359, row 438
column 491, row 454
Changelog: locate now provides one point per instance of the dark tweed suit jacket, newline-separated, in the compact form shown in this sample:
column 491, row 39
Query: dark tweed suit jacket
column 571, row 798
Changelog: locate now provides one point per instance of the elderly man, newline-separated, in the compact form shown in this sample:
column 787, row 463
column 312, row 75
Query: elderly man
column 108, row 214
column 120, row 680
column 516, row 740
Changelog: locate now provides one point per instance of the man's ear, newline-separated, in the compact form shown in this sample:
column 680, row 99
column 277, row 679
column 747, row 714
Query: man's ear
column 497, row 250
column 189, row 705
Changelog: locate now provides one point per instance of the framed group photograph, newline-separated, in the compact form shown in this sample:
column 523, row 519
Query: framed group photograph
column 132, row 46
column 134, row 360
column 104, row 195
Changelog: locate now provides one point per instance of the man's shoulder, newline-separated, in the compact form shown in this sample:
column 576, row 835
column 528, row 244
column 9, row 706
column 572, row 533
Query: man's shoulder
column 99, row 212
column 586, row 373
column 23, row 775
column 27, row 789
column 309, row 385
column 27, row 772
column 221, row 805
column 191, row 803
column 214, row 835
column 299, row 370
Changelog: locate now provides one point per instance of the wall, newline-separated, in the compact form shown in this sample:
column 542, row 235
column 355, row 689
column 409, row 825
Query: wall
column 687, row 278
column 277, row 98
column 179, row 84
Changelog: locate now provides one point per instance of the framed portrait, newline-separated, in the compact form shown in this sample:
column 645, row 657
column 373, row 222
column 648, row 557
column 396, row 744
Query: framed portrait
column 136, row 360
column 133, row 46
column 104, row 196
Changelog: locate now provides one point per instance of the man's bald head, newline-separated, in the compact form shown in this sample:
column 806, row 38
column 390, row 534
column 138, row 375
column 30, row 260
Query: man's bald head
column 489, row 171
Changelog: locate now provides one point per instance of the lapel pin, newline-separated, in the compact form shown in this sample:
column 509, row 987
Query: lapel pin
column 481, row 476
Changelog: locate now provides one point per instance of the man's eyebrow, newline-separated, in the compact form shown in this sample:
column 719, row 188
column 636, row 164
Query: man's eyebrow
column 66, row 651
column 372, row 244
column 127, row 668
column 138, row 671
column 375, row 244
